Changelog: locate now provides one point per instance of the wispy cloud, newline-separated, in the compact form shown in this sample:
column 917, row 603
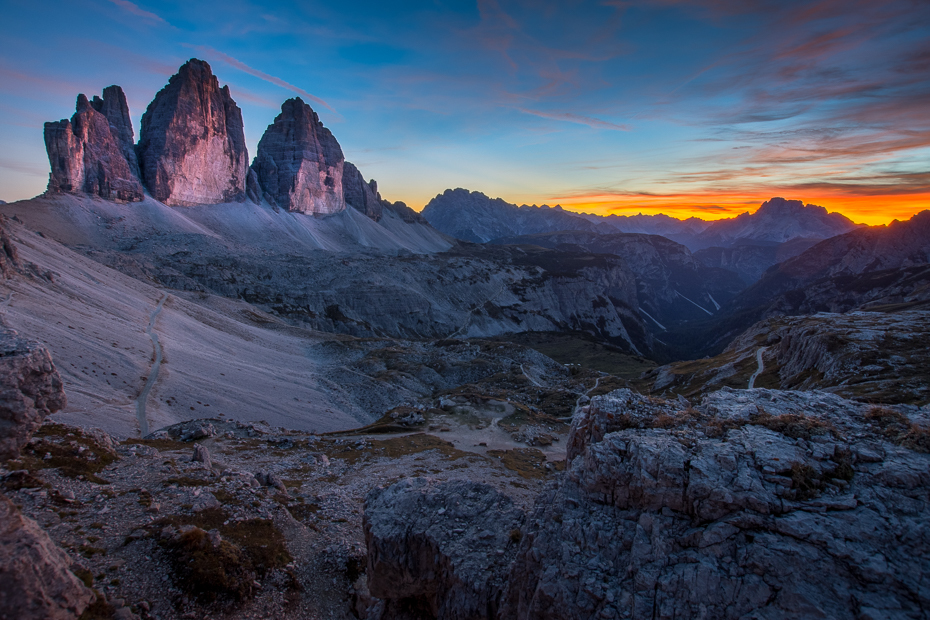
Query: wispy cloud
column 23, row 167
column 211, row 53
column 138, row 11
column 570, row 117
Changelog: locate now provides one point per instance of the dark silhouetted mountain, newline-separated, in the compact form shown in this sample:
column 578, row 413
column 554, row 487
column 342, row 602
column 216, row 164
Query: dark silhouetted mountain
column 192, row 146
column 775, row 222
column 866, row 250
column 472, row 216
column 877, row 266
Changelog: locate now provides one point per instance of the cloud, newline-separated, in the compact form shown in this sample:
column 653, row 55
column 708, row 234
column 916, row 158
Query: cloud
column 136, row 10
column 570, row 117
column 23, row 167
column 209, row 52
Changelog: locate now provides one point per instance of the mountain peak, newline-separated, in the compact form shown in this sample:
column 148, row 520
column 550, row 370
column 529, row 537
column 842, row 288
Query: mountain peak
column 192, row 144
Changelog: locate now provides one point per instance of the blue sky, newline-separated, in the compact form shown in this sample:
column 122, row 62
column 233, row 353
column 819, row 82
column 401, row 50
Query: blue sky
column 683, row 106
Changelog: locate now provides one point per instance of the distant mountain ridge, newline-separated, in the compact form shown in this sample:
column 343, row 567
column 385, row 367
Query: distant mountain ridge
column 473, row 216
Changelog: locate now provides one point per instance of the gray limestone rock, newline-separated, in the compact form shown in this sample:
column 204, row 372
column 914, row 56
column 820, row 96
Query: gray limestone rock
column 92, row 153
column 115, row 108
column 192, row 146
column 299, row 163
column 754, row 504
column 35, row 583
column 30, row 389
column 439, row 550
column 360, row 194
column 202, row 455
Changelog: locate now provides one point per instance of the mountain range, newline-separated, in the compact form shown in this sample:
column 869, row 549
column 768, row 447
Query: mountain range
column 270, row 392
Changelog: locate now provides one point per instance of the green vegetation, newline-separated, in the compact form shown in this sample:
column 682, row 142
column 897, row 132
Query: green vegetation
column 69, row 450
column 582, row 349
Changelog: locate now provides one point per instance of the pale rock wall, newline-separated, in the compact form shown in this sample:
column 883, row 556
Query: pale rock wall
column 192, row 145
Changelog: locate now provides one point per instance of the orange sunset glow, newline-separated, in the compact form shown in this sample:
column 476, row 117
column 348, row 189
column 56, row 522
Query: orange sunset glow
column 871, row 210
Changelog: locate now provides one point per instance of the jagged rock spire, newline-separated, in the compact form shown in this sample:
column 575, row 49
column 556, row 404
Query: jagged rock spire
column 192, row 146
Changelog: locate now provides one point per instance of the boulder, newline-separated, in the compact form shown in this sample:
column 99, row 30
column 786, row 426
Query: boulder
column 35, row 582
column 30, row 389
column 93, row 153
column 439, row 550
column 299, row 163
column 361, row 195
column 754, row 504
column 192, row 146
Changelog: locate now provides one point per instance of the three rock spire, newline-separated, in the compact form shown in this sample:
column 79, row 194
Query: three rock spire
column 192, row 151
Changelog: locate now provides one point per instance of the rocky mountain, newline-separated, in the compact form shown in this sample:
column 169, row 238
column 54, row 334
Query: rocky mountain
column 867, row 356
column 682, row 231
column 299, row 163
column 844, row 258
column 192, row 145
column 360, row 194
column 776, row 221
column 472, row 216
column 873, row 267
column 671, row 285
column 93, row 152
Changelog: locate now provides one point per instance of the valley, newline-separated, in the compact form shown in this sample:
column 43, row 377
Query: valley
column 239, row 390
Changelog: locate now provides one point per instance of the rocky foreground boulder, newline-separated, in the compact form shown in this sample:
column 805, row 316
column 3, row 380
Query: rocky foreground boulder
column 192, row 145
column 35, row 580
column 754, row 504
column 299, row 163
column 439, row 550
column 30, row 389
column 93, row 153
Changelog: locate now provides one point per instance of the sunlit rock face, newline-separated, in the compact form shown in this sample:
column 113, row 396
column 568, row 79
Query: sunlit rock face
column 192, row 146
column 93, row 152
column 299, row 163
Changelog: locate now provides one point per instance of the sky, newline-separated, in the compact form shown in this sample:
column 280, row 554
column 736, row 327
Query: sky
column 686, row 107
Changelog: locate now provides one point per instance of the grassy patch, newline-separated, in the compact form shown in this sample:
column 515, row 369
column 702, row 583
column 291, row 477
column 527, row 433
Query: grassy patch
column 895, row 427
column 209, row 571
column 395, row 447
column 794, row 425
column 584, row 350
column 527, row 462
column 69, row 450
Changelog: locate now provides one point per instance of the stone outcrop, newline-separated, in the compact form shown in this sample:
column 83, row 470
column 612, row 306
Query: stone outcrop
column 299, row 163
column 35, row 583
column 753, row 504
column 93, row 152
column 9, row 255
column 758, row 503
column 30, row 389
column 361, row 195
column 192, row 146
column 439, row 550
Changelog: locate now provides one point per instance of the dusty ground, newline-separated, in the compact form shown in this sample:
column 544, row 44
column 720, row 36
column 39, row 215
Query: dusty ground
column 119, row 508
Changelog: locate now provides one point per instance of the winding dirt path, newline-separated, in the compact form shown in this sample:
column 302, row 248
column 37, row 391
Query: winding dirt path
column 153, row 371
column 759, row 369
